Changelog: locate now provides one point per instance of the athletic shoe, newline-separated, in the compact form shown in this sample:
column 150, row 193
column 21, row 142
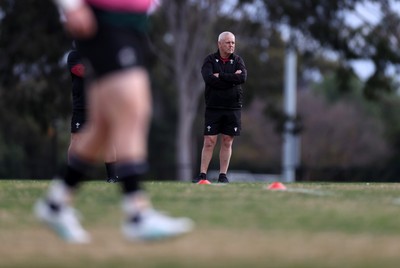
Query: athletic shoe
column 199, row 178
column 223, row 179
column 63, row 221
column 113, row 180
column 153, row 225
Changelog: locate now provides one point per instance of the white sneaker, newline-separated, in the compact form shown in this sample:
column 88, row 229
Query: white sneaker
column 64, row 222
column 154, row 225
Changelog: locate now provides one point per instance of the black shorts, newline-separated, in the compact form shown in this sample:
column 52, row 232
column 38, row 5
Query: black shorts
column 227, row 122
column 115, row 48
column 78, row 120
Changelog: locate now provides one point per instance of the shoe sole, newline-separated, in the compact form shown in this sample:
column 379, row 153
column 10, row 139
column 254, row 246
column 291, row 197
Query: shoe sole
column 155, row 235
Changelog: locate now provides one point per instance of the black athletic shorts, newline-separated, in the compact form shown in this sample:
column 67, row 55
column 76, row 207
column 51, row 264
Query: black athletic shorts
column 227, row 122
column 78, row 120
column 115, row 48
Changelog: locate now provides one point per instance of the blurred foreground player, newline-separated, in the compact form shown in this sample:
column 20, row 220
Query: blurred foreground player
column 111, row 36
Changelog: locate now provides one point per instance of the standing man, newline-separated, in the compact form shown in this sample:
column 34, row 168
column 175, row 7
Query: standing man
column 77, row 71
column 223, row 72
column 111, row 35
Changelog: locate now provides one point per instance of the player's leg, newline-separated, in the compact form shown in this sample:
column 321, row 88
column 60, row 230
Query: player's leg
column 231, row 127
column 129, row 114
column 129, row 104
column 55, row 208
column 73, row 143
column 225, row 154
column 78, row 121
column 211, row 131
column 206, row 153
column 206, row 156
column 110, row 158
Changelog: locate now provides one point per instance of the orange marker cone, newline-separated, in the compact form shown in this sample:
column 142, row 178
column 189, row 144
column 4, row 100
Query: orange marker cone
column 204, row 182
column 277, row 186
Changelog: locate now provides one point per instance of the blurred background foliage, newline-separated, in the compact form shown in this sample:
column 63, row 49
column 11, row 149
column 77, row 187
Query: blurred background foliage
column 348, row 123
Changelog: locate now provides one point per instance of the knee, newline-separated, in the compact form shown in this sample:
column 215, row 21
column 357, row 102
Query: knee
column 209, row 142
column 227, row 141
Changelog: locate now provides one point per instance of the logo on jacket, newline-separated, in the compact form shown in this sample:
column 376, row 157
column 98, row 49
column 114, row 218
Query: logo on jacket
column 217, row 60
column 208, row 128
column 231, row 61
column 235, row 129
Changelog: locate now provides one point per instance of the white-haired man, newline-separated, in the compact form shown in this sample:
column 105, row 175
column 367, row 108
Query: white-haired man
column 223, row 72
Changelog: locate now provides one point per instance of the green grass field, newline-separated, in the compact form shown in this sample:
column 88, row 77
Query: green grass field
column 237, row 225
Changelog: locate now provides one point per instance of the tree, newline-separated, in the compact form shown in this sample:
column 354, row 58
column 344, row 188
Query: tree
column 322, row 25
column 34, row 87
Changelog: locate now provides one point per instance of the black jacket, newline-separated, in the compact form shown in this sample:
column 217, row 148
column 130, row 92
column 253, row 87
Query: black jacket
column 225, row 91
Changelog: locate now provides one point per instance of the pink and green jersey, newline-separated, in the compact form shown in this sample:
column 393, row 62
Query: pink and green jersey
column 135, row 6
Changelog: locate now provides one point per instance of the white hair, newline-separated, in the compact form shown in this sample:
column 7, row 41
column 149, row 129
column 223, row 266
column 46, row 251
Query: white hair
column 223, row 34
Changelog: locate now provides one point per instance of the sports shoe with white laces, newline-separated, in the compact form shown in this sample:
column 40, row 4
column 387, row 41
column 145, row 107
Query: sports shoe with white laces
column 153, row 225
column 63, row 221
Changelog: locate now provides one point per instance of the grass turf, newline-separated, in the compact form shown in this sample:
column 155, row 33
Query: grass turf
column 237, row 225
